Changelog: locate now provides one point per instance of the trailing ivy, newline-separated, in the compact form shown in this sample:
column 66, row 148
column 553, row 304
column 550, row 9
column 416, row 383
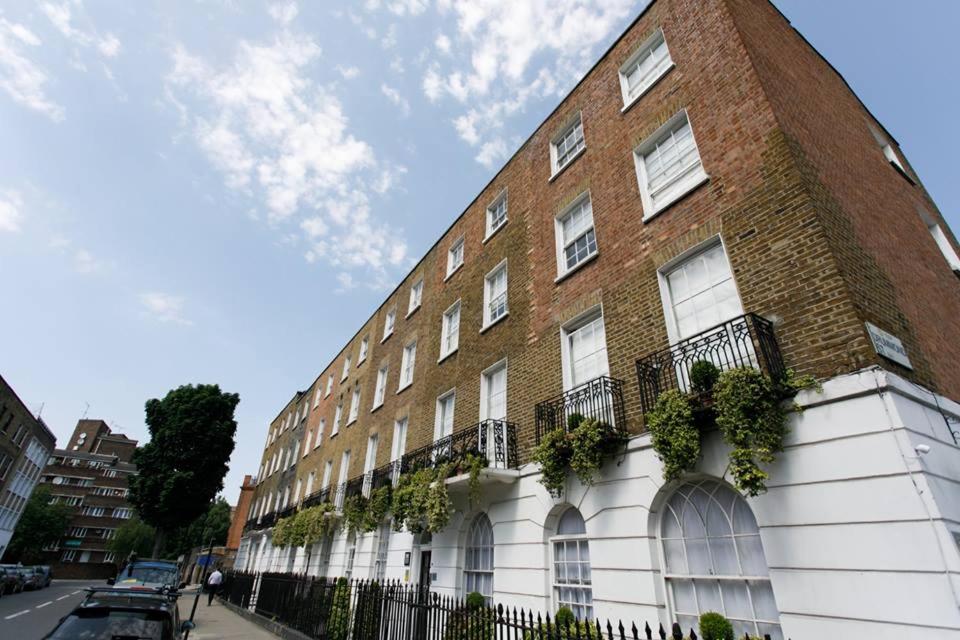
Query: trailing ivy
column 581, row 449
column 675, row 437
column 421, row 502
column 306, row 527
column 474, row 464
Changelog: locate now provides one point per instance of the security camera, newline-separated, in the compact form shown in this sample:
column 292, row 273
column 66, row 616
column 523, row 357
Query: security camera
column 922, row 449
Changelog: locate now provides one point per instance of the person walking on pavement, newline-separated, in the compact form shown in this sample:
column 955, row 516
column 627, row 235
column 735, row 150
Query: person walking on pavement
column 213, row 585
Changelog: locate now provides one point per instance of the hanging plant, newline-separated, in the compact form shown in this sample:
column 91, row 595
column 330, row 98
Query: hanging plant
column 590, row 442
column 318, row 522
column 378, row 505
column 474, row 464
column 421, row 502
column 355, row 512
column 676, row 439
column 439, row 507
column 281, row 532
column 703, row 375
column 553, row 455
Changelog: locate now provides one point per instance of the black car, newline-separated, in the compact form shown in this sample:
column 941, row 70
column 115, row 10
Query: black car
column 123, row 613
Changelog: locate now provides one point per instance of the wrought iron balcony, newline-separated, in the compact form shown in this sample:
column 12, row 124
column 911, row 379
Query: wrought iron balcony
column 600, row 398
column 315, row 498
column 267, row 520
column 495, row 440
column 745, row 341
column 289, row 511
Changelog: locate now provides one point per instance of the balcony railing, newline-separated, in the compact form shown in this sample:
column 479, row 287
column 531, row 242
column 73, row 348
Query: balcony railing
column 267, row 519
column 600, row 398
column 745, row 341
column 289, row 511
column 315, row 498
column 495, row 440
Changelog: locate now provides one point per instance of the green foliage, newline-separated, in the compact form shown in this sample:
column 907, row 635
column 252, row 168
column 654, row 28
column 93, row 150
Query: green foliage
column 362, row 514
column 40, row 524
column 378, row 506
column 713, row 626
column 473, row 621
column 553, row 455
column 675, row 437
column 564, row 617
column 355, row 512
column 306, row 527
column 133, row 536
column 338, row 625
column 282, row 532
column 590, row 442
column 474, row 465
column 751, row 417
column 703, row 375
column 214, row 523
column 182, row 467
column 421, row 502
column 574, row 420
column 475, row 600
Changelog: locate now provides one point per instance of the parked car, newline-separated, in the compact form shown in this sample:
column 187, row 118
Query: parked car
column 148, row 573
column 31, row 579
column 123, row 613
column 46, row 575
column 11, row 578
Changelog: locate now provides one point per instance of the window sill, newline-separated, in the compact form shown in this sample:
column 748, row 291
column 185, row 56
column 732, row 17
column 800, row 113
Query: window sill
column 385, row 338
column 677, row 198
column 411, row 312
column 375, row 407
column 452, row 273
column 447, row 355
column 485, row 327
column 572, row 270
column 494, row 232
column 334, row 435
column 350, row 422
column 903, row 173
column 404, row 388
column 636, row 98
column 569, row 162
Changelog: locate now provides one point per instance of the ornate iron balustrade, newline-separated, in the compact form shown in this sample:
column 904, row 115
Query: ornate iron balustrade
column 745, row 341
column 289, row 511
column 315, row 498
column 267, row 520
column 600, row 398
column 496, row 440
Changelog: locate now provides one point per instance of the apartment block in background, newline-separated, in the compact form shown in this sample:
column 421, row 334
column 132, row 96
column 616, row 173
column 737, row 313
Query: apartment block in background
column 711, row 189
column 25, row 445
column 91, row 475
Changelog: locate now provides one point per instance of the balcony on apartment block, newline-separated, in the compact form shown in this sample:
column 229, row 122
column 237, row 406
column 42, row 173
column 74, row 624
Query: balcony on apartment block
column 494, row 441
column 744, row 341
column 600, row 398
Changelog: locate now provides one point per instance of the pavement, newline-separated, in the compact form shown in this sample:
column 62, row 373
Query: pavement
column 218, row 622
column 32, row 614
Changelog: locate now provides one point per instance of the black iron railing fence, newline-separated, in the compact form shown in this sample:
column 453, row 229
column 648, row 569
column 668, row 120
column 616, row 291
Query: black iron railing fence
column 745, row 341
column 600, row 398
column 315, row 498
column 366, row 610
column 495, row 440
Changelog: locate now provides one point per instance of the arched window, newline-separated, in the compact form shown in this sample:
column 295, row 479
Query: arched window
column 571, row 566
column 478, row 568
column 714, row 561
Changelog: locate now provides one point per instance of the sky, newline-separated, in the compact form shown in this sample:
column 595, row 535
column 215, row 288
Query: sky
column 222, row 191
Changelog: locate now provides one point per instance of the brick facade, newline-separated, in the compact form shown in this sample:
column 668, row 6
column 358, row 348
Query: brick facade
column 821, row 232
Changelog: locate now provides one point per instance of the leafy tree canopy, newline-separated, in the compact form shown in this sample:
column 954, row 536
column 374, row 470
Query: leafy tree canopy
column 182, row 468
column 40, row 524
column 215, row 524
column 134, row 535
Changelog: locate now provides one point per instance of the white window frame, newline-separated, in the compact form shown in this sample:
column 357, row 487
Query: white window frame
column 389, row 323
column 555, row 167
column 450, row 334
column 327, row 474
column 555, row 586
column 307, row 449
column 562, row 270
column 364, row 348
column 471, row 568
column 685, row 182
column 337, row 415
column 316, row 396
column 488, row 291
column 484, row 387
column 311, row 480
column 380, row 390
column 370, row 461
column 946, row 248
column 346, row 368
column 329, row 389
column 398, row 446
column 416, row 296
column 354, row 412
column 450, row 395
column 644, row 51
column 319, row 435
column 453, row 265
column 407, row 365
column 491, row 225
column 566, row 331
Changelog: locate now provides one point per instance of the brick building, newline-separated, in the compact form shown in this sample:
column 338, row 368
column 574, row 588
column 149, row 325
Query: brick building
column 92, row 475
column 25, row 444
column 711, row 186
column 240, row 513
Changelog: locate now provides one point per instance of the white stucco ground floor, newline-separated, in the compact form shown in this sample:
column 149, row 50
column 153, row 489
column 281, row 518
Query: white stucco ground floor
column 856, row 537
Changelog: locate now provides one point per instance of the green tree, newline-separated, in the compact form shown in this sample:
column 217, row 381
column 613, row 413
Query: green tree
column 215, row 524
column 40, row 524
column 181, row 469
column 134, row 535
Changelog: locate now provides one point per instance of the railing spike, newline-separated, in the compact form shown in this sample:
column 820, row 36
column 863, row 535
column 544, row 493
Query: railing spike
column 693, row 634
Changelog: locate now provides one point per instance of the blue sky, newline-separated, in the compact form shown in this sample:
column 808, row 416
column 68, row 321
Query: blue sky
column 221, row 191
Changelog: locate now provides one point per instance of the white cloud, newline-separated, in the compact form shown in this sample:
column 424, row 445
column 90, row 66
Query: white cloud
column 164, row 307
column 394, row 96
column 509, row 53
column 345, row 280
column 399, row 7
column 86, row 262
column 349, row 73
column 389, row 39
column 396, row 65
column 10, row 214
column 283, row 12
column 21, row 78
column 61, row 16
column 285, row 141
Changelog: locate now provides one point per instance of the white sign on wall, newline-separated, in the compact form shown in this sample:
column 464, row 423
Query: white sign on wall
column 888, row 345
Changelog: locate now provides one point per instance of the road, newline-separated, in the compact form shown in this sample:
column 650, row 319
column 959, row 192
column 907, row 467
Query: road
column 32, row 614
